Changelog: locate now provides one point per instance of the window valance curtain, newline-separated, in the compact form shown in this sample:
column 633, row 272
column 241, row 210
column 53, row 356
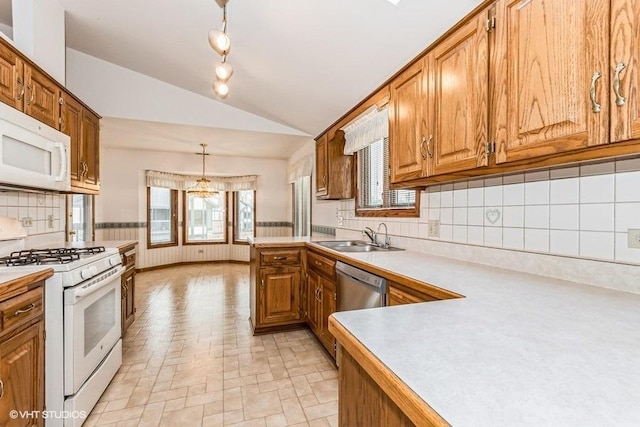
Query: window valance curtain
column 182, row 182
column 367, row 128
column 300, row 168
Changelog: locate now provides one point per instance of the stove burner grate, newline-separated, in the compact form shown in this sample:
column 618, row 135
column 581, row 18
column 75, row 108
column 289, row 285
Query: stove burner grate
column 49, row 256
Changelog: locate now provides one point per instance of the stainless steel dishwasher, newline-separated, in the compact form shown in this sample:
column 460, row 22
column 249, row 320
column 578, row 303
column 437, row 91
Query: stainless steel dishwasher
column 358, row 288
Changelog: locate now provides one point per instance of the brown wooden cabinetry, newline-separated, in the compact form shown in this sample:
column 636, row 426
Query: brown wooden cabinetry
column 321, row 297
column 11, row 77
column 128, row 287
column 22, row 350
column 334, row 170
column 83, row 127
column 398, row 295
column 277, row 297
column 407, row 124
column 554, row 77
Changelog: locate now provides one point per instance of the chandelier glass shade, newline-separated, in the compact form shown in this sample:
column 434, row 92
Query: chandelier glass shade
column 224, row 70
column 221, row 43
column 201, row 188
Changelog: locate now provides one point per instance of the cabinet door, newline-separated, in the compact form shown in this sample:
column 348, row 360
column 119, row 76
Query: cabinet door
column 313, row 301
column 128, row 295
column 322, row 154
column 328, row 298
column 554, row 75
column 71, row 115
column 22, row 375
column 91, row 149
column 459, row 78
column 625, row 70
column 407, row 123
column 279, row 295
column 11, row 79
column 42, row 97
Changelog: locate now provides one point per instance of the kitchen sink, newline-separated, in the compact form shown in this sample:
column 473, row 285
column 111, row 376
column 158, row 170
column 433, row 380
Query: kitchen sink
column 354, row 246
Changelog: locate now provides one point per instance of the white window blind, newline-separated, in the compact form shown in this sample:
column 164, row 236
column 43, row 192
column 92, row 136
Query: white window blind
column 373, row 180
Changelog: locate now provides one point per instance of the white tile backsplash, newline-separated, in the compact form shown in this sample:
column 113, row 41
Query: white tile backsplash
column 578, row 211
column 37, row 207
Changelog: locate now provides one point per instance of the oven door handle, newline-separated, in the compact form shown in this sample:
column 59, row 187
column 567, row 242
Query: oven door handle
column 100, row 282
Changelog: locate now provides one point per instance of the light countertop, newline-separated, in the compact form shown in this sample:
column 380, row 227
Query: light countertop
column 518, row 350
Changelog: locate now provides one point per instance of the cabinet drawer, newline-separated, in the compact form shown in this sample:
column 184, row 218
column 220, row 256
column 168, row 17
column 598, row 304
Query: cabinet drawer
column 321, row 264
column 21, row 309
column 281, row 257
column 397, row 296
column 129, row 259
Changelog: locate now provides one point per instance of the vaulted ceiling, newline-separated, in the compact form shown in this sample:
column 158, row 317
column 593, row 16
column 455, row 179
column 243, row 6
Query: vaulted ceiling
column 300, row 63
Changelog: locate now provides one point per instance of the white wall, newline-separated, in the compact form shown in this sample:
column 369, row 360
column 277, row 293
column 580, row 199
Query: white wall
column 123, row 198
column 39, row 32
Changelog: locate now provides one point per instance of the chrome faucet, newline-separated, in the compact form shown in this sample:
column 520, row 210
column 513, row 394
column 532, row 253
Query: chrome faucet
column 371, row 235
column 385, row 245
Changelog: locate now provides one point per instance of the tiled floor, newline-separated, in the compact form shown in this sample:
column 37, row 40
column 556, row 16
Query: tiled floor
column 190, row 360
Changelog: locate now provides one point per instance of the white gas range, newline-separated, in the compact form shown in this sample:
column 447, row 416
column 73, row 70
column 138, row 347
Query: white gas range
column 83, row 348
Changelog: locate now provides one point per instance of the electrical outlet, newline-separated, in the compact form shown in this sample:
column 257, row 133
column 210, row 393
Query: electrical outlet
column 27, row 221
column 50, row 221
column 633, row 238
column 433, row 228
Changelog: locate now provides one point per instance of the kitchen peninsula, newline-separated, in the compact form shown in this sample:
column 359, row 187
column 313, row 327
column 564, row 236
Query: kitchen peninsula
column 518, row 349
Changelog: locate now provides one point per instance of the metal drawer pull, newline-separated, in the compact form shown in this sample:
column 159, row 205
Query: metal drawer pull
column 318, row 263
column 620, row 100
column 279, row 258
column 1, row 389
column 595, row 107
column 24, row 310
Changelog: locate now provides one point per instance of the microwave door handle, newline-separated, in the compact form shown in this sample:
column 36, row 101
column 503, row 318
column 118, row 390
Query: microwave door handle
column 63, row 161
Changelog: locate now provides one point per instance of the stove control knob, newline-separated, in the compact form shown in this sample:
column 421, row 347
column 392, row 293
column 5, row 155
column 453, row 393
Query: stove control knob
column 86, row 273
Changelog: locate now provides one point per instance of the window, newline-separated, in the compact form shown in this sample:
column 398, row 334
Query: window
column 162, row 217
column 302, row 206
column 205, row 220
column 80, row 221
column 244, row 206
column 374, row 198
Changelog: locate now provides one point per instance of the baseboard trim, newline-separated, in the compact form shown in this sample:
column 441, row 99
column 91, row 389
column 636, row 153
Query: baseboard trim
column 181, row 263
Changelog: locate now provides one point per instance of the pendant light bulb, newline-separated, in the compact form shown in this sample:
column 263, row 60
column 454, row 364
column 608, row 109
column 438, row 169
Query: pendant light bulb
column 221, row 89
column 219, row 41
column 224, row 70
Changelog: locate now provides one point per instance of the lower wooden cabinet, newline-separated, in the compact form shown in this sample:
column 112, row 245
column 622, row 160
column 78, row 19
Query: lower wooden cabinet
column 279, row 296
column 314, row 303
column 321, row 299
column 22, row 355
column 128, row 287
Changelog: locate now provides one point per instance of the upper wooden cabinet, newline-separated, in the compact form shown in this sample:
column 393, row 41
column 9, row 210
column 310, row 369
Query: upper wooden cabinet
column 11, row 77
column 624, row 68
column 459, row 99
column 407, row 124
column 82, row 126
column 334, row 170
column 553, row 71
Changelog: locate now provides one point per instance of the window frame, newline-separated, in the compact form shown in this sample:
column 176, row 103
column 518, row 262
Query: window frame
column 174, row 221
column 235, row 217
column 384, row 212
column 186, row 242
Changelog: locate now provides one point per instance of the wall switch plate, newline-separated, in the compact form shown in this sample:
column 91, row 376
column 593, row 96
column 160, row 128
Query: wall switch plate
column 633, row 237
column 433, row 228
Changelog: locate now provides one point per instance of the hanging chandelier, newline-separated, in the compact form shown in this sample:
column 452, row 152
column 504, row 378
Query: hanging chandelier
column 221, row 43
column 201, row 188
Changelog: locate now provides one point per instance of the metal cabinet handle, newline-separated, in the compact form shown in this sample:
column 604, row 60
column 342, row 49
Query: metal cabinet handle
column 279, row 258
column 422, row 153
column 1, row 389
column 21, row 93
column 429, row 151
column 262, row 285
column 595, row 107
column 620, row 100
column 318, row 263
column 24, row 310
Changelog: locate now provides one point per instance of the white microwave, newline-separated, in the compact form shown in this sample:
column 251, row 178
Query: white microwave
column 32, row 154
